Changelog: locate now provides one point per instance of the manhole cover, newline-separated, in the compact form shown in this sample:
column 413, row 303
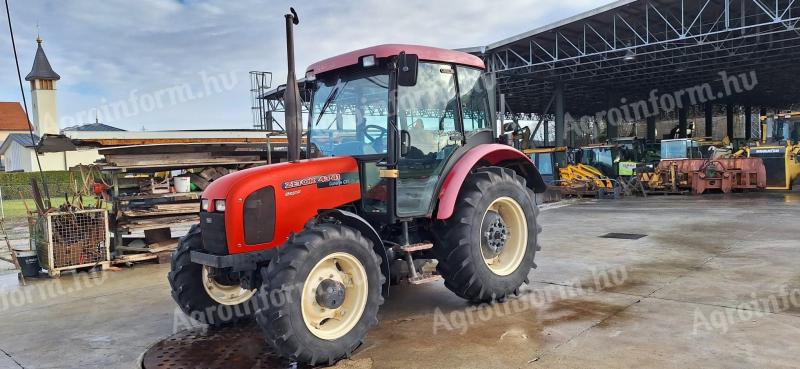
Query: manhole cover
column 233, row 347
column 624, row 236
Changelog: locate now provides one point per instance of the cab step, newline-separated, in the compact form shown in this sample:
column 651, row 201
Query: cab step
column 414, row 247
column 425, row 279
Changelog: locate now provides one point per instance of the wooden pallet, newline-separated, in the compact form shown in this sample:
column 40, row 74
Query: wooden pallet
column 56, row 272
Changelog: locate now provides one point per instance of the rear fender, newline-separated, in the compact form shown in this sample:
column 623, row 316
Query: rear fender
column 482, row 156
column 358, row 223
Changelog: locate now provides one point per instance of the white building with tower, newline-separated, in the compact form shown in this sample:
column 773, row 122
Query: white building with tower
column 18, row 151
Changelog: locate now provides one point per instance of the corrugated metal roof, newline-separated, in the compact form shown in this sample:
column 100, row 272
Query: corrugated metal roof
column 23, row 139
column 93, row 127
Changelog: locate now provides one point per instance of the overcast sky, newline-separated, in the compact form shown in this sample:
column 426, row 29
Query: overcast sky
column 183, row 64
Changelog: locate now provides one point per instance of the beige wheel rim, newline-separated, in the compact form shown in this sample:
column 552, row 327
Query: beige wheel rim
column 512, row 229
column 328, row 323
column 225, row 294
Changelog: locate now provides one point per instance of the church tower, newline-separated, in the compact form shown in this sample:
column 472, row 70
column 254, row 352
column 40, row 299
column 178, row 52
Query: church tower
column 43, row 92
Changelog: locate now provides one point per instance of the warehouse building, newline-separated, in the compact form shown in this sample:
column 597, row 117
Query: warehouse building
column 651, row 67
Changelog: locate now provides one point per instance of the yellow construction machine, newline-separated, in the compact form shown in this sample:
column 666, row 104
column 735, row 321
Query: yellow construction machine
column 779, row 148
column 554, row 165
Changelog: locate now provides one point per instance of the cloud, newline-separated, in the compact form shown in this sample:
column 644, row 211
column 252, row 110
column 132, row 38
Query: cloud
column 107, row 50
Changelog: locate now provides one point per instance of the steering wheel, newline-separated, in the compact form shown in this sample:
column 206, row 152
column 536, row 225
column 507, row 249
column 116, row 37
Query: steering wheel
column 372, row 139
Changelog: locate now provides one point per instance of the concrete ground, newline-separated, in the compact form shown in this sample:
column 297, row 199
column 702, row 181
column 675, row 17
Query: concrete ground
column 715, row 283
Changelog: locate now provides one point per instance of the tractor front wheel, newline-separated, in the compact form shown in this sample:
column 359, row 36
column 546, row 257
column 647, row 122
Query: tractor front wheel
column 486, row 249
column 320, row 295
column 208, row 295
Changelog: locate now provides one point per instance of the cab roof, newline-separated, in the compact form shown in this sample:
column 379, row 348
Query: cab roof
column 388, row 50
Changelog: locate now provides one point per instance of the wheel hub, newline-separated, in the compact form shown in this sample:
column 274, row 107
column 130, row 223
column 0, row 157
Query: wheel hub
column 334, row 295
column 504, row 236
column 495, row 234
column 330, row 294
column 223, row 288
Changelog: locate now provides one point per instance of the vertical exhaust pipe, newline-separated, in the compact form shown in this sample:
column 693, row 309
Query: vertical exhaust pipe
column 291, row 97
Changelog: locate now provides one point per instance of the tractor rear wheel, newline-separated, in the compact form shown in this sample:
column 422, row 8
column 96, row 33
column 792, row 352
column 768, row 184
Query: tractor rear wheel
column 486, row 249
column 320, row 295
column 210, row 296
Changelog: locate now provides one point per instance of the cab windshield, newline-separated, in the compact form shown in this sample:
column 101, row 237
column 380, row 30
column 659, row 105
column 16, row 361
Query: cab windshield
column 349, row 113
column 599, row 157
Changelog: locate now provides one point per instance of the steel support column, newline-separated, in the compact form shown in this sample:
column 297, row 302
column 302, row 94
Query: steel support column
column 748, row 122
column 547, row 132
column 502, row 127
column 492, row 90
column 709, row 120
column 561, row 128
column 683, row 122
column 729, row 121
column 651, row 129
column 612, row 128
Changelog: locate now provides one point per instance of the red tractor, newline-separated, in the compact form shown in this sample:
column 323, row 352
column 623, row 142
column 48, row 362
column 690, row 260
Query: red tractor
column 403, row 181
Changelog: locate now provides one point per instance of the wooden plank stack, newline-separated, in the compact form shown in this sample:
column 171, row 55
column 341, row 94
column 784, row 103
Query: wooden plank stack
column 144, row 201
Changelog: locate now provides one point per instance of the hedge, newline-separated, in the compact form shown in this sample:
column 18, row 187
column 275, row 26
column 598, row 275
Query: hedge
column 24, row 178
column 58, row 183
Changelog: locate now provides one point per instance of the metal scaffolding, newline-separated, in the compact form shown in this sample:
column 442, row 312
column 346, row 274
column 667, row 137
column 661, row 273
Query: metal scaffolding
column 268, row 106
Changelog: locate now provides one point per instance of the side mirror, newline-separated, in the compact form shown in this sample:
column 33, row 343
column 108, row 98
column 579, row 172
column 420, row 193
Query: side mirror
column 407, row 66
column 405, row 142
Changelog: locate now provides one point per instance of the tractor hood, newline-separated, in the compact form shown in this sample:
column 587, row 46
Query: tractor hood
column 293, row 191
column 282, row 174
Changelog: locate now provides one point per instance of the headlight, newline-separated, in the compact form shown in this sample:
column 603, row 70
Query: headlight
column 219, row 205
column 204, row 204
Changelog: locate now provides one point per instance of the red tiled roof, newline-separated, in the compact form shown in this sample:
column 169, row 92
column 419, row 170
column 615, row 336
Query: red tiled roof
column 12, row 117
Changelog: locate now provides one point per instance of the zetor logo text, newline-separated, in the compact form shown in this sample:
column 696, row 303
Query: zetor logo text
column 311, row 181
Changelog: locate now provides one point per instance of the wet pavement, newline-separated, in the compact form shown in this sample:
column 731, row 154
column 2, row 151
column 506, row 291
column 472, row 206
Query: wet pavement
column 715, row 283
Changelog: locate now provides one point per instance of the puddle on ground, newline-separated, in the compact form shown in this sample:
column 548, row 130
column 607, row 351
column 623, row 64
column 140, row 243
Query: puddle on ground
column 513, row 331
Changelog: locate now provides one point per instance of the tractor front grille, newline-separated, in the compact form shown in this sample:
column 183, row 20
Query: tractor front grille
column 259, row 216
column 212, row 227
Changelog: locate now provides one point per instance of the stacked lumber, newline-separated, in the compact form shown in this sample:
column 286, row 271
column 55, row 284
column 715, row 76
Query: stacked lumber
column 137, row 251
column 154, row 186
column 202, row 158
column 143, row 201
column 188, row 155
column 153, row 248
column 143, row 224
column 208, row 175
column 163, row 209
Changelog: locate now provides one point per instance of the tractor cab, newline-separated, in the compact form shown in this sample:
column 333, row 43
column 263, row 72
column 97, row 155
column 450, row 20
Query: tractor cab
column 681, row 148
column 603, row 157
column 403, row 128
column 549, row 160
column 620, row 157
column 781, row 129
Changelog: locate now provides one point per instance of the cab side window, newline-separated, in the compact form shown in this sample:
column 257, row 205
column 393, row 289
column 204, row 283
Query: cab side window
column 474, row 100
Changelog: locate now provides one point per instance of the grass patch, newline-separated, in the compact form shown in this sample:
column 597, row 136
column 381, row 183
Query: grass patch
column 15, row 209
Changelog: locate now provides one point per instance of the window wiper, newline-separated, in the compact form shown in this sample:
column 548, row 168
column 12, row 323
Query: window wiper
column 327, row 103
column 329, row 100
